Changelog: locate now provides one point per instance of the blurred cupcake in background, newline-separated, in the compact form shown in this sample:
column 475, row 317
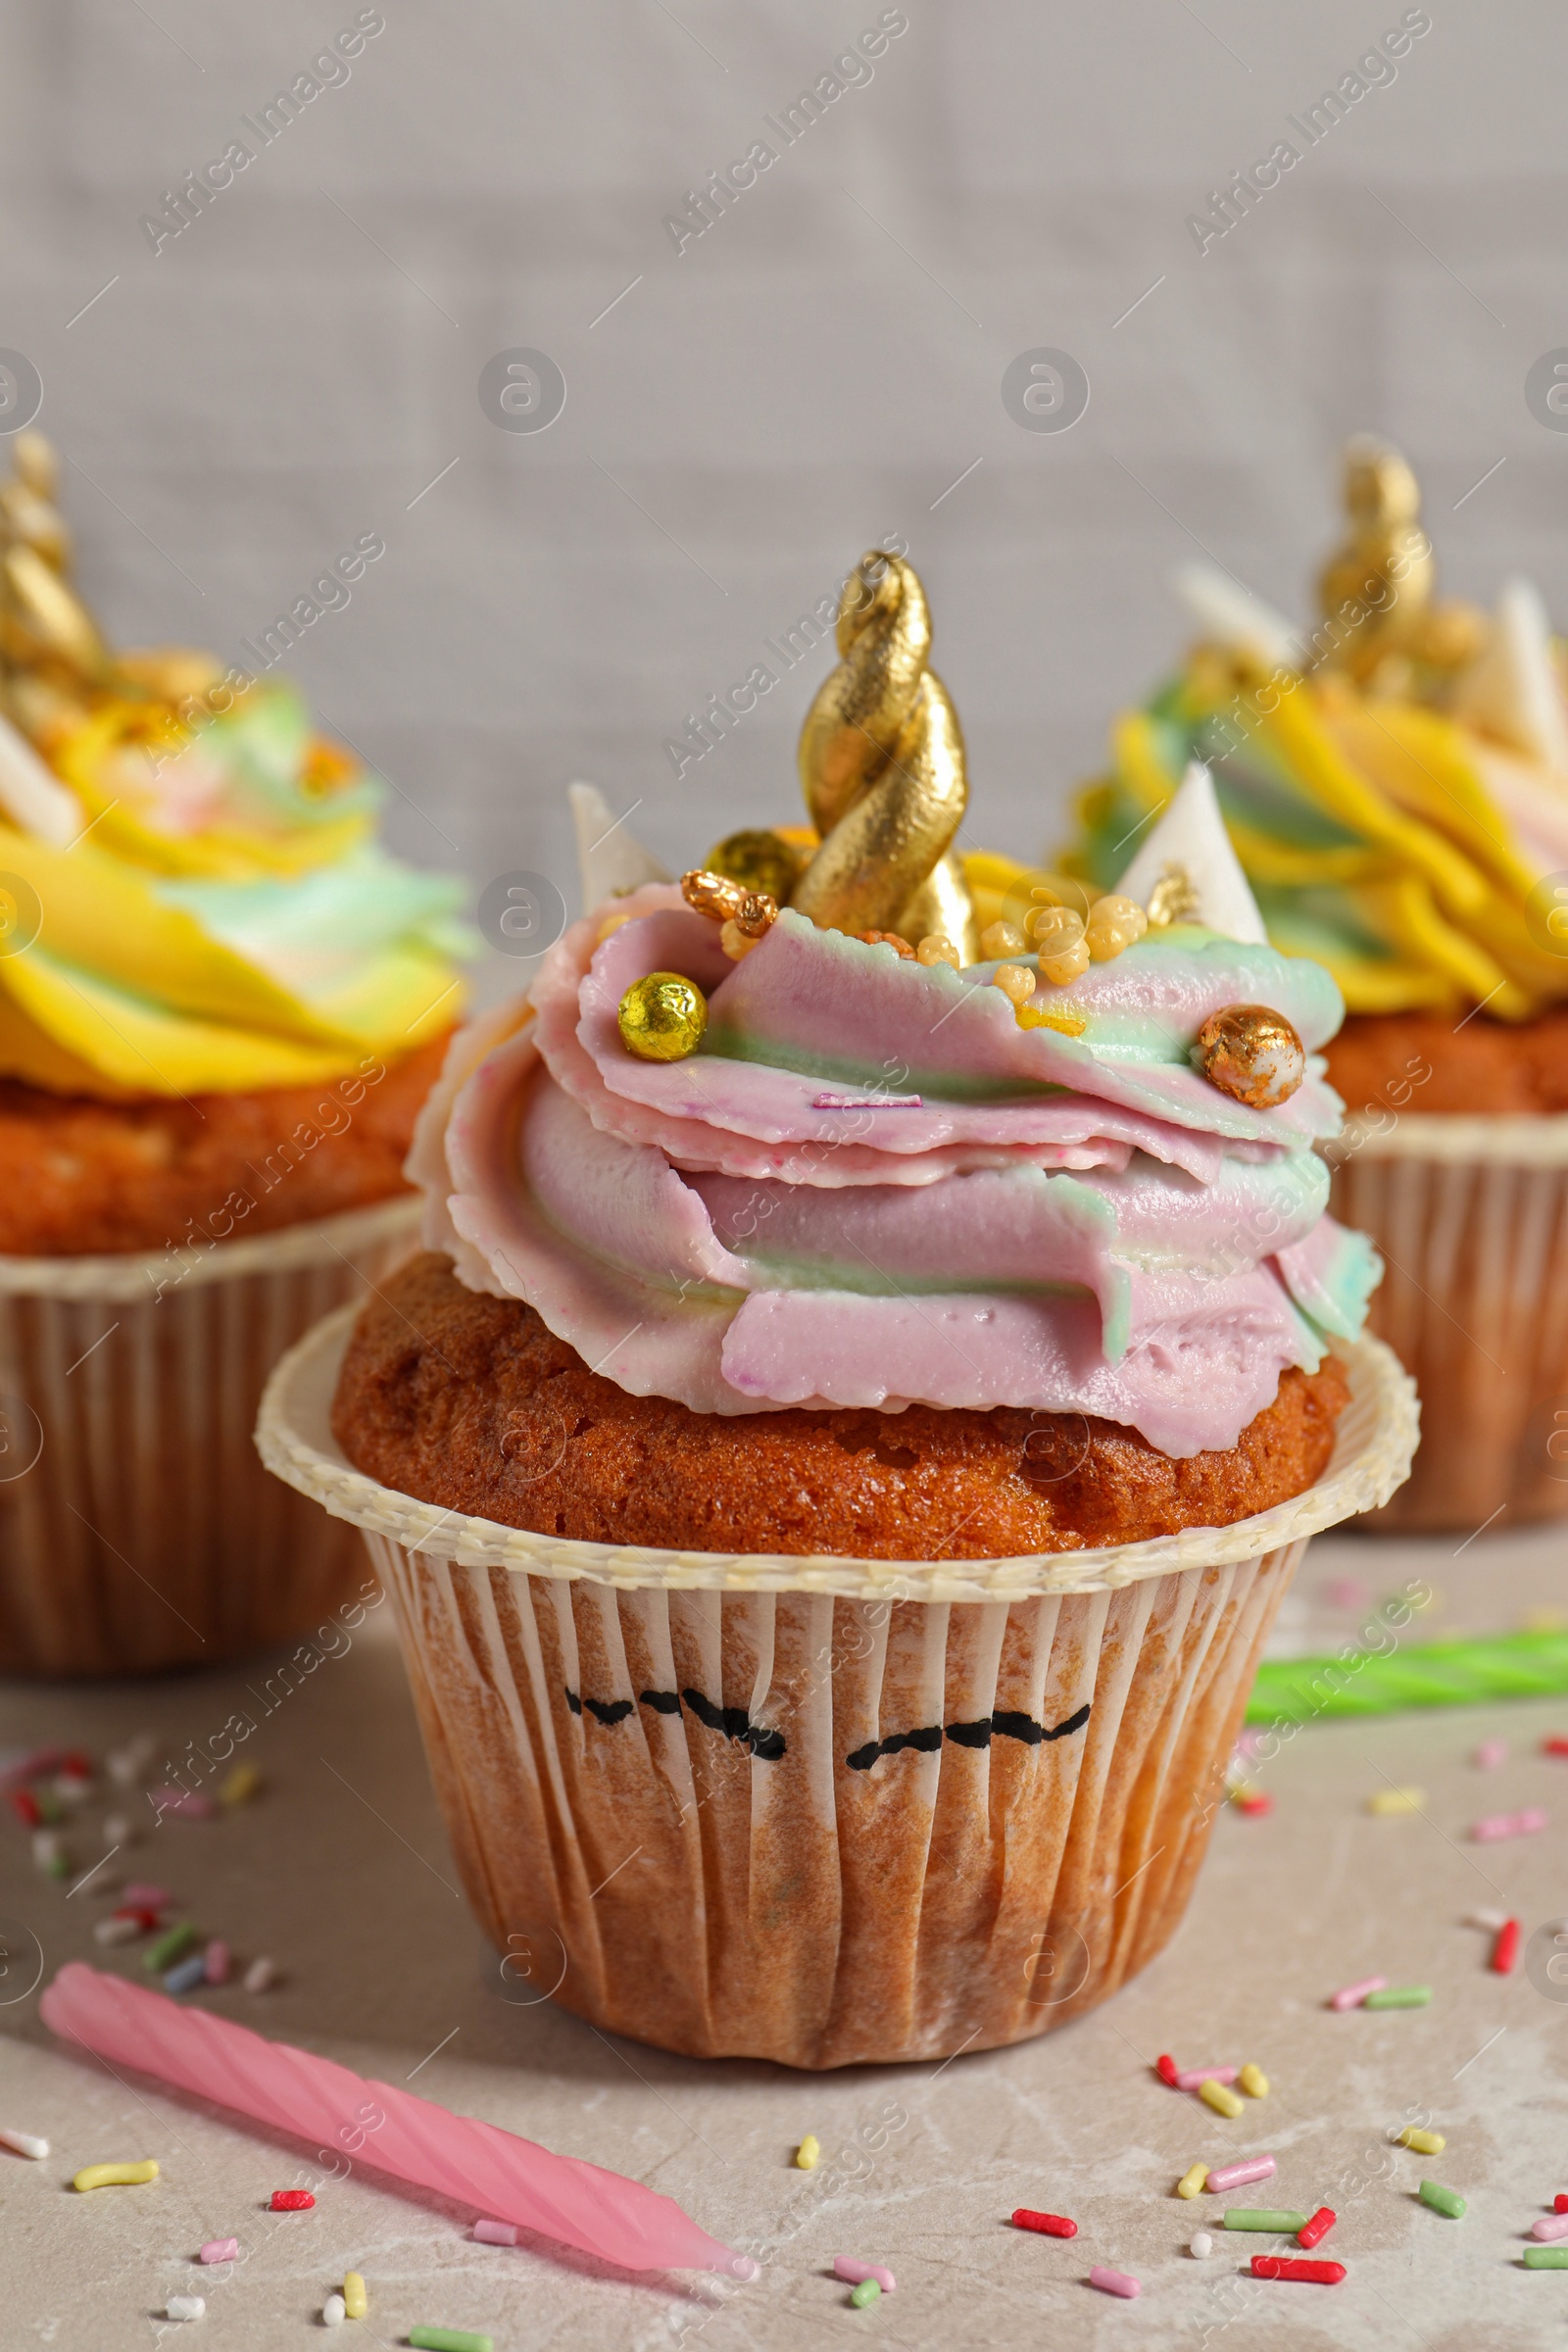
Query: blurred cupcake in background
column 222, row 1004
column 1395, row 783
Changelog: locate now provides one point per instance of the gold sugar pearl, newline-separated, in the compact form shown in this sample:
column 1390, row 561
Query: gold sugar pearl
column 1252, row 1053
column 1071, row 964
column 1001, row 939
column 1016, row 980
column 738, row 944
column 1055, row 929
column 1114, row 923
column 713, row 895
column 935, row 948
column 662, row 1017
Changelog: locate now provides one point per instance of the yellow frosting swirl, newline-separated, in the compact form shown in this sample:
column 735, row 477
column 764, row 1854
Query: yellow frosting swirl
column 192, row 898
column 1396, row 789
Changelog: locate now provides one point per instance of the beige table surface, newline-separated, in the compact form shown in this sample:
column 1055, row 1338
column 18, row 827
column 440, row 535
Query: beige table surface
column 339, row 1868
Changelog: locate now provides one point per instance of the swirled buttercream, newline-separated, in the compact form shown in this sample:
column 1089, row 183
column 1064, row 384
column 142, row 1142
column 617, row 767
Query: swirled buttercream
column 1069, row 1223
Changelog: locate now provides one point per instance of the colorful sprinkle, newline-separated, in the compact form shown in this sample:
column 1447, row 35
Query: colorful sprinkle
column 1505, row 1952
column 1253, row 2082
column 1441, row 2200
column 220, row 2250
column 140, row 1897
column 116, row 2175
column 188, row 1975
column 1318, row 2228
column 1396, row 1800
column 1425, row 2143
column 808, row 2155
column 356, row 2302
column 1202, row 2247
column 1113, row 2283
column 868, row 2291
column 1195, row 2077
column 215, row 1962
column 1559, row 2203
column 189, row 1801
column 169, row 1947
column 1551, row 2226
column 1049, row 2224
column 1223, row 2101
column 1490, row 1920
column 185, row 2307
column 1165, row 2067
column 260, row 1975
column 1493, row 1826
column 23, row 2143
column 1400, row 1996
column 1236, row 2176
column 1351, row 1997
column 118, row 1930
column 292, row 2200
column 334, row 2310
column 449, row 2339
column 1283, row 2266
column 1547, row 2258
column 240, row 1786
column 1263, row 2217
column 1556, row 1745
column 1253, row 1802
column 26, row 1808
column 495, row 2233
column 845, row 2267
column 1493, row 1752
column 1191, row 2183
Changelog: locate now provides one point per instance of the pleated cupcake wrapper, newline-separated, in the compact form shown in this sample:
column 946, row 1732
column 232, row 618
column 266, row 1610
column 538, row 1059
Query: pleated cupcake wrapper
column 137, row 1530
column 824, row 1811
column 1471, row 1216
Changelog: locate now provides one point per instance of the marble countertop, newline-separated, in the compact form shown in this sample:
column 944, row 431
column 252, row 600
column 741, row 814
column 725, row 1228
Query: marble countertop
column 339, row 1870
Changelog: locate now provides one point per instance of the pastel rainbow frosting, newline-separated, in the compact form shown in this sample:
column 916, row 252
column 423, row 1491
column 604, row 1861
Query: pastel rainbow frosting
column 192, row 897
column 1409, row 831
column 1066, row 1223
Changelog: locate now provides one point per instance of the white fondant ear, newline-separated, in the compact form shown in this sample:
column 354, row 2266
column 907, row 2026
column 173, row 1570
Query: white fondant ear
column 609, row 860
column 1511, row 688
column 1191, row 835
column 1231, row 616
column 33, row 797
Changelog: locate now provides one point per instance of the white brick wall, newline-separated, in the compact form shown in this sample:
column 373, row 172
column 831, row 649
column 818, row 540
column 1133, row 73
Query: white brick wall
column 271, row 384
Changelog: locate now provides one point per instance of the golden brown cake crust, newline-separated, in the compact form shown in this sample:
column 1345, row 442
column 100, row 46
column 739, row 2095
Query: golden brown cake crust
column 470, row 1402
column 78, row 1176
column 1427, row 1061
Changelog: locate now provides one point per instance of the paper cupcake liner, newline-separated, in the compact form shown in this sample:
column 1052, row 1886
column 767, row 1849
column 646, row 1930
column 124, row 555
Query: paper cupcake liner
column 824, row 1811
column 1470, row 1217
column 137, row 1530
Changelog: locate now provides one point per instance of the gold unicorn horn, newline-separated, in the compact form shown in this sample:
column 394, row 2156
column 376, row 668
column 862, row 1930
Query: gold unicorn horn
column 1387, row 572
column 43, row 621
column 882, row 764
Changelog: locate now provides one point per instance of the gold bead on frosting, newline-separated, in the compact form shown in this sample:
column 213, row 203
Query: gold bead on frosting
column 662, row 1017
column 758, row 859
column 1252, row 1053
column 1114, row 923
column 1016, row 980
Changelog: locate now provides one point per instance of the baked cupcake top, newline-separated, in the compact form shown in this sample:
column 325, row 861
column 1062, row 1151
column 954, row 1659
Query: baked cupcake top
column 1395, row 781
column 192, row 897
column 1073, row 1174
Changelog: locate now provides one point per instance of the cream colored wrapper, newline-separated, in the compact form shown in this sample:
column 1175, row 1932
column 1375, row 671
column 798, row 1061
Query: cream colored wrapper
column 826, row 1811
column 1470, row 1217
column 137, row 1530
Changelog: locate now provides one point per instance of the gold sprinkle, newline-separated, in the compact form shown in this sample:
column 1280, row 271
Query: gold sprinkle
column 115, row 2175
column 809, row 2153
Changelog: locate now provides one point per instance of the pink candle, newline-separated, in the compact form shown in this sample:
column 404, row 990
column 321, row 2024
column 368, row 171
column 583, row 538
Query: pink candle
column 475, row 2164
